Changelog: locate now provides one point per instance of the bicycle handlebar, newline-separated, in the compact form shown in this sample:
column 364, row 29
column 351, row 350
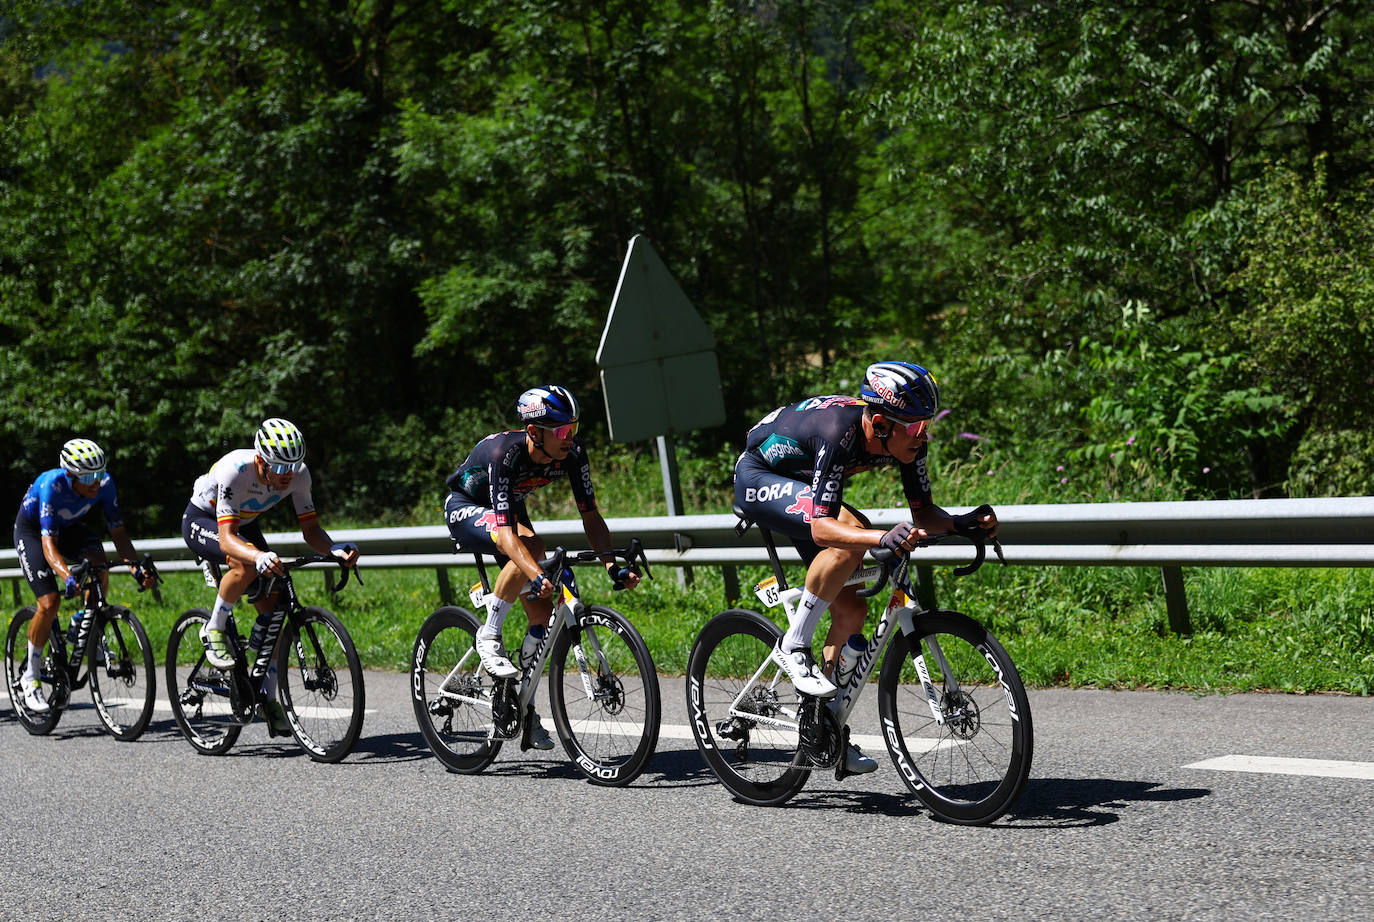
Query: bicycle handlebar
column 889, row 561
column 326, row 558
column 633, row 555
column 84, row 568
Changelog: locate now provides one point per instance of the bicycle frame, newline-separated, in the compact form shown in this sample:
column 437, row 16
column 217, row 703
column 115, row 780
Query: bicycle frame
column 96, row 606
column 569, row 613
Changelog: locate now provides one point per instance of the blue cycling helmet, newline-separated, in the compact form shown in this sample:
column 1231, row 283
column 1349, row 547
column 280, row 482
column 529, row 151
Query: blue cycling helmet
column 900, row 389
column 548, row 406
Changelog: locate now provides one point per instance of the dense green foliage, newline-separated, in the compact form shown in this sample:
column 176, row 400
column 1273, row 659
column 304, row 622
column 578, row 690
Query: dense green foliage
column 1131, row 239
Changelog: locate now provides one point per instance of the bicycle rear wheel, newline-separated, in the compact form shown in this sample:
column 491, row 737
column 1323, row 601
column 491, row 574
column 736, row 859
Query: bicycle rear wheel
column 451, row 693
column 123, row 675
column 198, row 692
column 603, row 692
column 320, row 684
column 744, row 710
column 970, row 765
column 39, row 723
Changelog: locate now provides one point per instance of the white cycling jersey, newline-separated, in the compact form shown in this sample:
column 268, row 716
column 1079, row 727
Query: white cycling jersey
column 233, row 492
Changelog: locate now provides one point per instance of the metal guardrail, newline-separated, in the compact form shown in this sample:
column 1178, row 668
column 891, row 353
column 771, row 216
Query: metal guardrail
column 1330, row 532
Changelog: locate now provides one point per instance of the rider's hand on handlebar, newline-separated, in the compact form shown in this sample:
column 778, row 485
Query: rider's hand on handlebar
column 622, row 577
column 983, row 517
column 268, row 561
column 900, row 538
column 69, row 586
column 541, row 587
column 345, row 551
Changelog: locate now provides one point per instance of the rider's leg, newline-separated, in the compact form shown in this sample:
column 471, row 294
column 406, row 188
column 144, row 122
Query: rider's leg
column 40, row 629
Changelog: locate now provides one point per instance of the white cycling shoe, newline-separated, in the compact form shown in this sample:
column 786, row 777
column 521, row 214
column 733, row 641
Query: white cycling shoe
column 801, row 668
column 34, row 699
column 494, row 659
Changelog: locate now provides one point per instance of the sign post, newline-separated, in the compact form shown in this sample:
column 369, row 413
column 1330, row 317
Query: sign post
column 658, row 364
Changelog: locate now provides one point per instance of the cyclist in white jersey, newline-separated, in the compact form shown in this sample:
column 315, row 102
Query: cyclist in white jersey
column 221, row 525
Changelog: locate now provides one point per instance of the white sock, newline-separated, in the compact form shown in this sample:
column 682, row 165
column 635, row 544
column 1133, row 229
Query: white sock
column 496, row 617
column 802, row 626
column 219, row 615
column 34, row 668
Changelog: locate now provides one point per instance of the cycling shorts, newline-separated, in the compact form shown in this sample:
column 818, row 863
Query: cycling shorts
column 201, row 533
column 779, row 503
column 470, row 524
column 74, row 541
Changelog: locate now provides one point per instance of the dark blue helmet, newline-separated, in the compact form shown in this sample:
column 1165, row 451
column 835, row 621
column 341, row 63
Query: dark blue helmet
column 547, row 406
column 901, row 389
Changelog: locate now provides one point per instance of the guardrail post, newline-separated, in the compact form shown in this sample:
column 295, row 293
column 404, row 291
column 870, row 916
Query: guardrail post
column 18, row 599
column 731, row 577
column 1176, row 600
column 445, row 587
column 925, row 586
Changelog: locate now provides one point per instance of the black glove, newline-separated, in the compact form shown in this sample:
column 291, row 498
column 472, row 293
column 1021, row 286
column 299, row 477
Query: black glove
column 892, row 538
column 618, row 576
column 970, row 523
column 536, row 586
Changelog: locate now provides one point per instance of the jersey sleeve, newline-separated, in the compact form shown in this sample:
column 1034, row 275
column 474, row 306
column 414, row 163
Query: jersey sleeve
column 584, row 494
column 916, row 482
column 47, row 511
column 109, row 502
column 500, row 476
column 827, row 479
column 226, row 501
column 301, row 496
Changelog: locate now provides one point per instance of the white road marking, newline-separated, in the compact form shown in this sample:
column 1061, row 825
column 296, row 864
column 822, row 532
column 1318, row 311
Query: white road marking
column 1321, row 768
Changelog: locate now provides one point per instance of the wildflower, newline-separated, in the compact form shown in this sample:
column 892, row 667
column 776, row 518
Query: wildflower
column 1063, row 480
column 1206, row 470
column 1059, row 468
column 1131, row 440
column 939, row 416
column 989, row 473
column 970, row 436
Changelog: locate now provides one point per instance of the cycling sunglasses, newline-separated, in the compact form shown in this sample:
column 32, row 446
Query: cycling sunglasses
column 916, row 428
column 90, row 477
column 281, row 469
column 562, row 432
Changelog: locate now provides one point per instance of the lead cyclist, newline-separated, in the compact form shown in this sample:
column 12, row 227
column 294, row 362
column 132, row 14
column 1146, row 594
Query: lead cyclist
column 791, row 478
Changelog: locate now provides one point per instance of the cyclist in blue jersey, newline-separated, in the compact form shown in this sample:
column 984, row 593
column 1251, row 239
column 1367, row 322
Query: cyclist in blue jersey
column 791, row 479
column 48, row 532
column 486, row 513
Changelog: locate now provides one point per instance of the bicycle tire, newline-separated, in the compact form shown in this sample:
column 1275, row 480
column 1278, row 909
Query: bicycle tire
column 607, row 718
column 324, row 709
column 123, row 674
column 452, row 701
column 756, row 761
column 198, row 692
column 38, row 723
column 971, row 769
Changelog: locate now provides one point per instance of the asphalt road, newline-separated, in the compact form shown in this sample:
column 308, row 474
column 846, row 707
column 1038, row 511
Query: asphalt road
column 1116, row 822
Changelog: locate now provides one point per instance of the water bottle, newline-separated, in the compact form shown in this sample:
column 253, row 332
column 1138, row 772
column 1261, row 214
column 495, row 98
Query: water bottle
column 848, row 659
column 75, row 628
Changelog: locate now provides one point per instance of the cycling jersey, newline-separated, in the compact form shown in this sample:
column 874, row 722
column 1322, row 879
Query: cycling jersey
column 499, row 474
column 820, row 441
column 233, row 492
column 52, row 503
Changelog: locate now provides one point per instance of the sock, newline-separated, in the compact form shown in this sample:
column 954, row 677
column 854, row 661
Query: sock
column 496, row 617
column 34, row 668
column 269, row 684
column 219, row 615
column 802, row 626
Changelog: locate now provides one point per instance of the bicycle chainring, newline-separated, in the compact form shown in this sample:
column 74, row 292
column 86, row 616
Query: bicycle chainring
column 505, row 710
column 819, row 735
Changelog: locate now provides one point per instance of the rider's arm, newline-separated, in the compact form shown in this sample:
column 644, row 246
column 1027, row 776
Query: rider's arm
column 599, row 537
column 508, row 540
column 54, row 558
column 318, row 539
column 125, row 545
column 239, row 548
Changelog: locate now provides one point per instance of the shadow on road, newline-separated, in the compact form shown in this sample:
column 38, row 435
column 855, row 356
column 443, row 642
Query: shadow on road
column 1067, row 802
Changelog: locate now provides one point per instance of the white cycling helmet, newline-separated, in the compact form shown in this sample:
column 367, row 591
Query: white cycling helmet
column 278, row 441
column 82, row 456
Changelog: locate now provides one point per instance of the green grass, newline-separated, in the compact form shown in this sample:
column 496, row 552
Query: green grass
column 1292, row 630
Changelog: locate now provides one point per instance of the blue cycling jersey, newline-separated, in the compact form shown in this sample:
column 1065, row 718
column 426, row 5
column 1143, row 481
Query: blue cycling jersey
column 52, row 503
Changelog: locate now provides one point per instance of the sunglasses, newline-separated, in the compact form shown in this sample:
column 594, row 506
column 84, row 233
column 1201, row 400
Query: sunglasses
column 916, row 428
column 281, row 469
column 90, row 477
column 561, row 432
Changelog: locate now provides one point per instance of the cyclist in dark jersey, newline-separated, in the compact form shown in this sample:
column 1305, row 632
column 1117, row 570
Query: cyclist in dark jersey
column 485, row 511
column 48, row 530
column 791, row 479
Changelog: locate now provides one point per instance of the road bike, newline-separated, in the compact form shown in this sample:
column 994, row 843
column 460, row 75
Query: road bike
column 952, row 710
column 319, row 677
column 108, row 641
column 603, row 687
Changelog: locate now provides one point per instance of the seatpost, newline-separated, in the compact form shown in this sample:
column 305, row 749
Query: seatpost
column 773, row 557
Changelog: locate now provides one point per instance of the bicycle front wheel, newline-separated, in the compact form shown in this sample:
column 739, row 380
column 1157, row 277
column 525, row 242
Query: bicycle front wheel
column 451, row 692
column 123, row 675
column 956, row 718
column 603, row 692
column 199, row 693
column 39, row 723
column 320, row 685
column 744, row 709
